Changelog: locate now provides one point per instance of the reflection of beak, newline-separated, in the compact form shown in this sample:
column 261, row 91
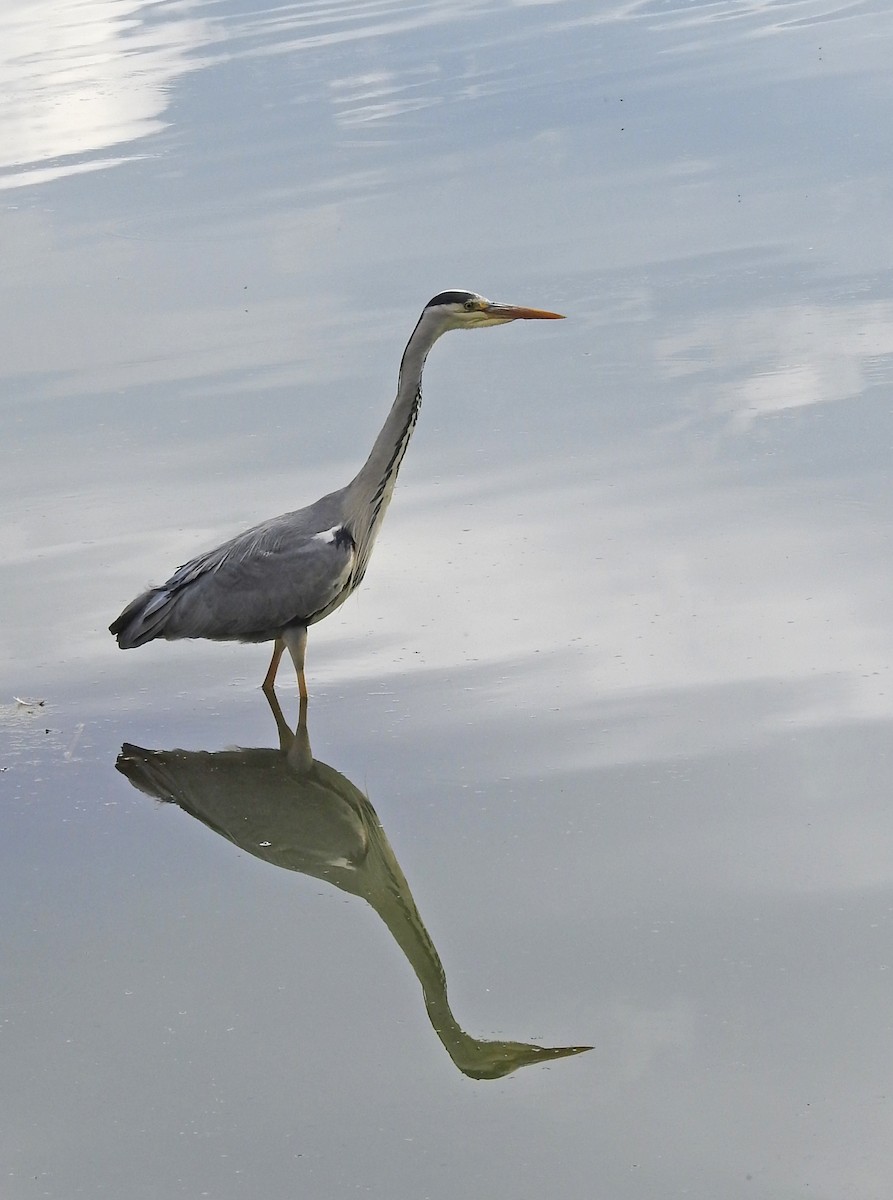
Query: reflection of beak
column 510, row 312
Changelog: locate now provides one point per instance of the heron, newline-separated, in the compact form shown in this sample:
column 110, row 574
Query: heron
column 276, row 579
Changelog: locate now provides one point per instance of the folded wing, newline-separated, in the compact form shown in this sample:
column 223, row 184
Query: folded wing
column 248, row 589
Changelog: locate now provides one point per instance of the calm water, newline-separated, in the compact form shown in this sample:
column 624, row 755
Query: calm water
column 602, row 743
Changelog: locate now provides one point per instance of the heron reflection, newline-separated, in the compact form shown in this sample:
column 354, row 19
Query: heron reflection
column 287, row 808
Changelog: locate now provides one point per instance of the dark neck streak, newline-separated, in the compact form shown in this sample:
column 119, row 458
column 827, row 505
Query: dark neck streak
column 371, row 490
column 393, row 466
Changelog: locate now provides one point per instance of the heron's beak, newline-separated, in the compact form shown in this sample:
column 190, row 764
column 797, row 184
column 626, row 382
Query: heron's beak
column 511, row 312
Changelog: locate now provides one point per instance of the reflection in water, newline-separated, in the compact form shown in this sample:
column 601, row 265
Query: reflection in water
column 783, row 356
column 79, row 78
column 292, row 811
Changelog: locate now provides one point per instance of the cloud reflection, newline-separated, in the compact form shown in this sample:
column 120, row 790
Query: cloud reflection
column 636, row 582
column 784, row 357
column 288, row 809
column 80, row 77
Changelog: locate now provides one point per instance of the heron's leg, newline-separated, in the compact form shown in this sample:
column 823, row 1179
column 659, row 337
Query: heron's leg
column 295, row 638
column 270, row 677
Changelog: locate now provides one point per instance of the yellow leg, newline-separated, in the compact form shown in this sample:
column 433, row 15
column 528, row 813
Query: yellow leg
column 270, row 677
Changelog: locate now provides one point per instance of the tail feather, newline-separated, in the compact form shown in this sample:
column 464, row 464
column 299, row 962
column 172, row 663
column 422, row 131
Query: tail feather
column 143, row 619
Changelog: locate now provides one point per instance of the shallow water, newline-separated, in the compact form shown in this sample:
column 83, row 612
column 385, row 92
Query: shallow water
column 601, row 745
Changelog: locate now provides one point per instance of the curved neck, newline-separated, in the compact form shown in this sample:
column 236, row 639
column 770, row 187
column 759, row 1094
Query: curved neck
column 373, row 486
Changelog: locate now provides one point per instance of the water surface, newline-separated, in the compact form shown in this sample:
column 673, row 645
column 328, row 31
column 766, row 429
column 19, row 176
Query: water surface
column 604, row 736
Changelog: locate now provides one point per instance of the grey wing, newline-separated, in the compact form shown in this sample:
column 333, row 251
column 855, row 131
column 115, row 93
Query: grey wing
column 248, row 589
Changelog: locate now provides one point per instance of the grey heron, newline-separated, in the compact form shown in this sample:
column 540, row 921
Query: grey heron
column 270, row 583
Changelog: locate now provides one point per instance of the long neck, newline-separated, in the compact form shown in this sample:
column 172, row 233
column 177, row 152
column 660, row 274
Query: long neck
column 370, row 492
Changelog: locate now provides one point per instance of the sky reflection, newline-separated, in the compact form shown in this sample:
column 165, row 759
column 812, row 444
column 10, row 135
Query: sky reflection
column 786, row 357
column 81, row 76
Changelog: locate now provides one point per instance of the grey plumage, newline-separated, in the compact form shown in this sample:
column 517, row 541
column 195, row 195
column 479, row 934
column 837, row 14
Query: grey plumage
column 274, row 580
column 283, row 571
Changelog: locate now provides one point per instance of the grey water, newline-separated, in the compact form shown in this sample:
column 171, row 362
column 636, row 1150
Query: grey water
column 579, row 880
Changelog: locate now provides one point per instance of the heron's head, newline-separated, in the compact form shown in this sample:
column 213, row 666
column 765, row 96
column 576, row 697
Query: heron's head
column 468, row 310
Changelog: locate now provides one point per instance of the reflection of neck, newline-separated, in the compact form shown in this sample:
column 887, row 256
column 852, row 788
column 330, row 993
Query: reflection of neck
column 392, row 900
column 471, row 1056
column 384, row 886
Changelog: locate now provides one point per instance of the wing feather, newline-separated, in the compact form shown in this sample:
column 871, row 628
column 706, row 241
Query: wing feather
column 292, row 569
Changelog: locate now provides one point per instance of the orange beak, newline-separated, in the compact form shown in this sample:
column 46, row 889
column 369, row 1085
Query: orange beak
column 511, row 312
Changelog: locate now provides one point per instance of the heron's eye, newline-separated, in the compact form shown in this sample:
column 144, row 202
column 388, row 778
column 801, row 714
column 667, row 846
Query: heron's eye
column 470, row 305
